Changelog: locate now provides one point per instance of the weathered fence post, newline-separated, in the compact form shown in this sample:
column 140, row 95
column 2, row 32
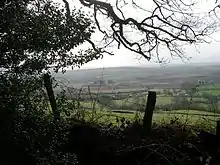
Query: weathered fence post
column 50, row 93
column 148, row 115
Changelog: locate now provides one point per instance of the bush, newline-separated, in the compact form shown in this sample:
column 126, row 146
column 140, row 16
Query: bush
column 28, row 135
column 105, row 99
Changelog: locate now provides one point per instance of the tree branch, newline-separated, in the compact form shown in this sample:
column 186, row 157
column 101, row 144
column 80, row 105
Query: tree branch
column 97, row 50
column 167, row 25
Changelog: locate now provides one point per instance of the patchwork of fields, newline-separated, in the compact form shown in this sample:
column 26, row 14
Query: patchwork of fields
column 112, row 109
column 177, row 98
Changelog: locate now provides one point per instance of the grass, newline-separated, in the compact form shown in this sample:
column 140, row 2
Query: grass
column 211, row 92
column 191, row 117
column 122, row 90
column 193, row 112
column 161, row 100
column 210, row 89
column 139, row 101
column 89, row 105
column 210, row 86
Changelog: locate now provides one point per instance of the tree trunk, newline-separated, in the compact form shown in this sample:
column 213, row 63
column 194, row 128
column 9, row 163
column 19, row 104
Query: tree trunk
column 148, row 115
column 50, row 93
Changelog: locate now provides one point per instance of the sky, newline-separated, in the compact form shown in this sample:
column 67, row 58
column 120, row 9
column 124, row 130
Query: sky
column 209, row 53
column 203, row 53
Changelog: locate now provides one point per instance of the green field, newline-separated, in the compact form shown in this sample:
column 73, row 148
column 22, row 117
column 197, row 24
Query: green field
column 211, row 92
column 164, row 100
column 191, row 117
column 160, row 100
column 131, row 92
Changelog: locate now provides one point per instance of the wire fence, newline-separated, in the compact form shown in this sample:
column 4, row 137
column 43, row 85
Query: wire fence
column 197, row 107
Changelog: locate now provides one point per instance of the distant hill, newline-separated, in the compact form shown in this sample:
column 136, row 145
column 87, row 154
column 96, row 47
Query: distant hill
column 159, row 77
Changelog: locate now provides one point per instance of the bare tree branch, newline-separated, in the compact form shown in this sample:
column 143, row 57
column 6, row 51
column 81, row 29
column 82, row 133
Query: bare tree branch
column 97, row 50
column 118, row 8
column 214, row 10
column 170, row 24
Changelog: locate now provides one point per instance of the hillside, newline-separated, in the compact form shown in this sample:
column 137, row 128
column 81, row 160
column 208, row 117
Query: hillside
column 135, row 77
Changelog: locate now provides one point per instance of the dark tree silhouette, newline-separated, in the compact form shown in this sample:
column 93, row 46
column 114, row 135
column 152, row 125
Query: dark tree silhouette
column 35, row 36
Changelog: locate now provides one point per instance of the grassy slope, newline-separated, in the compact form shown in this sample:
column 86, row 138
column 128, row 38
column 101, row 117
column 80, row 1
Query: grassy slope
column 189, row 117
column 157, row 77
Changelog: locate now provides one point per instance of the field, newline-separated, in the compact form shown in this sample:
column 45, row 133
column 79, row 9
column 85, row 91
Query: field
column 192, row 117
column 131, row 78
column 112, row 95
column 202, row 114
column 212, row 92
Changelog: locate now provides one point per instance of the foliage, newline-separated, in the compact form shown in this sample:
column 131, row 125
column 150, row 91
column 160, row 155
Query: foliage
column 36, row 36
column 105, row 100
column 20, row 92
column 35, row 135
column 65, row 105
column 126, row 144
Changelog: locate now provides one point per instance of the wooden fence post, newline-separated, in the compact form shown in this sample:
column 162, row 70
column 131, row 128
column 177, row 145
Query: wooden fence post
column 148, row 115
column 50, row 93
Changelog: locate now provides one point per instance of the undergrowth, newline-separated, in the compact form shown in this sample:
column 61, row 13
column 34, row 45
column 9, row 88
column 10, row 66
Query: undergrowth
column 29, row 136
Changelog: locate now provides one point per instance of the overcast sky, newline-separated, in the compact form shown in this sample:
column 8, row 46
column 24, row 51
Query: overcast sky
column 123, row 57
column 209, row 53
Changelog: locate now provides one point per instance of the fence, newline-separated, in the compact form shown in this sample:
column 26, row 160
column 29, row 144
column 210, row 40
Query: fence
column 169, row 106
